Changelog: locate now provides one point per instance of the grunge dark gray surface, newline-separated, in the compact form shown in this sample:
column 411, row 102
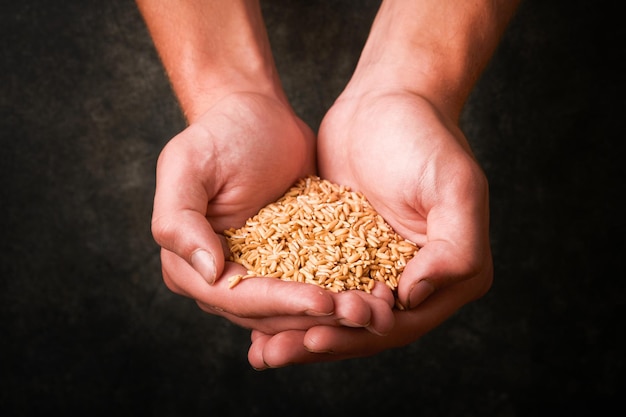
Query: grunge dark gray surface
column 89, row 327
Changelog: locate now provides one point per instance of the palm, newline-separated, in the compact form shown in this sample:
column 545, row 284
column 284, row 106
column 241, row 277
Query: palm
column 384, row 149
column 249, row 150
column 416, row 169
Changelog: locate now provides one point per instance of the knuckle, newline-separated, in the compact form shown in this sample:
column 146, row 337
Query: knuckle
column 162, row 230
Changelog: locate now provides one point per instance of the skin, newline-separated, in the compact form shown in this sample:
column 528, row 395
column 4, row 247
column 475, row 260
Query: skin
column 245, row 146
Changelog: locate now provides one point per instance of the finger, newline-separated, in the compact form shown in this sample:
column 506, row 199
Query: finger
column 282, row 350
column 457, row 246
column 360, row 309
column 373, row 314
column 383, row 292
column 409, row 326
column 438, row 265
column 332, row 343
column 273, row 324
column 181, row 198
column 341, row 342
column 352, row 309
column 252, row 297
column 255, row 352
column 255, row 334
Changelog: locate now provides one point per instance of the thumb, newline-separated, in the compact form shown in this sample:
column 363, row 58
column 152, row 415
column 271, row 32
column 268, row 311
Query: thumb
column 179, row 222
column 190, row 236
column 436, row 265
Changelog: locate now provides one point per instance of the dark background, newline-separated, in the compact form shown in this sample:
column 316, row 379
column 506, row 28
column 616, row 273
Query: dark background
column 89, row 327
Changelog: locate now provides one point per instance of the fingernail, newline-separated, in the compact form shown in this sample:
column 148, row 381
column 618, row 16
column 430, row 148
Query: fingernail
column 203, row 262
column 313, row 350
column 374, row 331
column 420, row 292
column 315, row 313
column 350, row 323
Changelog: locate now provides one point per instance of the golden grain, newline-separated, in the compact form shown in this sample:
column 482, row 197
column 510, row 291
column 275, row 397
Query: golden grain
column 234, row 280
column 324, row 234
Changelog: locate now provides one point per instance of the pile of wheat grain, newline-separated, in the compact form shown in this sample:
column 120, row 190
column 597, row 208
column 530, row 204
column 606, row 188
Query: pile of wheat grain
column 324, row 234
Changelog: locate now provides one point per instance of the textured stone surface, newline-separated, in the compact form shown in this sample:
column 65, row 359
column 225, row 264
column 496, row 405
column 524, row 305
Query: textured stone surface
column 88, row 325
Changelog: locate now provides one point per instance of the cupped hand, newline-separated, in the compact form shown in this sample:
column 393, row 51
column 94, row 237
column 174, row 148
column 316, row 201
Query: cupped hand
column 417, row 170
column 244, row 152
column 271, row 306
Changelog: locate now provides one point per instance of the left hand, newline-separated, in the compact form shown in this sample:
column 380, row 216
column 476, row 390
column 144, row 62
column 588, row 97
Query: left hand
column 416, row 168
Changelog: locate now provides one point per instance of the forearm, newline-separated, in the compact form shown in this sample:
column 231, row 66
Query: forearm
column 211, row 48
column 435, row 48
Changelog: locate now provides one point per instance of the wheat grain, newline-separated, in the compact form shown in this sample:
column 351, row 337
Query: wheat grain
column 324, row 234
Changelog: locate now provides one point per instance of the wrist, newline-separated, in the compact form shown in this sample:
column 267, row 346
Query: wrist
column 201, row 85
column 211, row 49
column 436, row 50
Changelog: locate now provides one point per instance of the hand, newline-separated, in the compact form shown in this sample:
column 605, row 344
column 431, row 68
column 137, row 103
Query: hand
column 416, row 169
column 393, row 135
column 271, row 306
column 243, row 153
